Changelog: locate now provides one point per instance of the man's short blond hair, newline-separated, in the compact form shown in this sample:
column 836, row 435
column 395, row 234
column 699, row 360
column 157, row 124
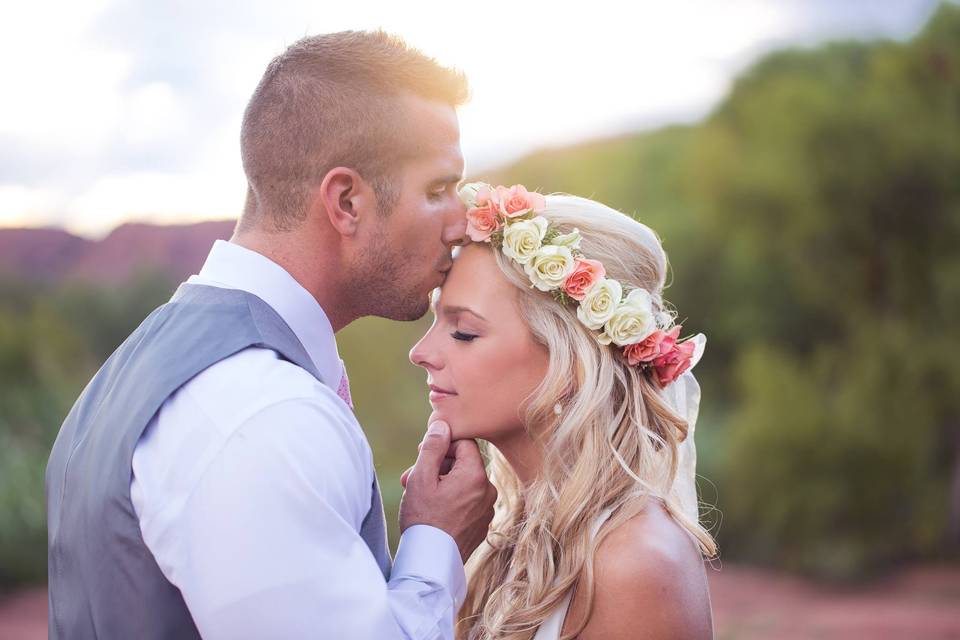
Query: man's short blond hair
column 333, row 100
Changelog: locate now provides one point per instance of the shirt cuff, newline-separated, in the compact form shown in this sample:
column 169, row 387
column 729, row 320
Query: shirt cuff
column 429, row 554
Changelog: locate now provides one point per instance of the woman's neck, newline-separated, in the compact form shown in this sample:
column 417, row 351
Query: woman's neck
column 524, row 455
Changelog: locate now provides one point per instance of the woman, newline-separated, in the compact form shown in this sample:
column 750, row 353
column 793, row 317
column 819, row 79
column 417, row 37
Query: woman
column 552, row 343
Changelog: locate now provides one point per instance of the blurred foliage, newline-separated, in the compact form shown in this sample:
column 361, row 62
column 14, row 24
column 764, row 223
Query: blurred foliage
column 812, row 223
column 52, row 339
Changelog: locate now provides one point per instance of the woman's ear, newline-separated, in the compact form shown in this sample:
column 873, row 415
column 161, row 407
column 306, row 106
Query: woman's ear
column 344, row 197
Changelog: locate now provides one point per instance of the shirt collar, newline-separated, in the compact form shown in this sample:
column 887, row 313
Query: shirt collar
column 234, row 267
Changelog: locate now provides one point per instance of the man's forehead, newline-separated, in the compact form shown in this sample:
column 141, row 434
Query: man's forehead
column 435, row 113
column 438, row 164
column 433, row 128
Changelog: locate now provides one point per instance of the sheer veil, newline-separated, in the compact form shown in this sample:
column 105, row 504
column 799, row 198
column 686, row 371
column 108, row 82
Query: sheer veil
column 684, row 397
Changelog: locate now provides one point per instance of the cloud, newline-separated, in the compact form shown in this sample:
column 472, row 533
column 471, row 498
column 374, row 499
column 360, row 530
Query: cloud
column 131, row 108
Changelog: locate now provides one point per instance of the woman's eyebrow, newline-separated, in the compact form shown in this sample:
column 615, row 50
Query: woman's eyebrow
column 454, row 309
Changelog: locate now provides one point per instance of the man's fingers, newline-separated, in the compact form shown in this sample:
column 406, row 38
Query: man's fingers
column 446, row 465
column 466, row 456
column 433, row 450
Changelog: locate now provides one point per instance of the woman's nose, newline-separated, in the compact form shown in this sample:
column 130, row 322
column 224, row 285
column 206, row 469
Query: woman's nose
column 420, row 354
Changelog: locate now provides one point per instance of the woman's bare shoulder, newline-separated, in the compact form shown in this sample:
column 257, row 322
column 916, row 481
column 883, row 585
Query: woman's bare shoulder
column 650, row 581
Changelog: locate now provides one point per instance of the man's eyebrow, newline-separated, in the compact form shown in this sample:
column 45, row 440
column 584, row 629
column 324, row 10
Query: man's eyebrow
column 453, row 178
column 453, row 309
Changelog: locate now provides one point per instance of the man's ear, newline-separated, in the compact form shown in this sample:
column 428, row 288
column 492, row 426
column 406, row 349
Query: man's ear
column 346, row 198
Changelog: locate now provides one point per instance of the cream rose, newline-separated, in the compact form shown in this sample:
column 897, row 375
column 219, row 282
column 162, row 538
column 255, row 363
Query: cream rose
column 599, row 303
column 522, row 239
column 632, row 322
column 468, row 193
column 571, row 240
column 549, row 267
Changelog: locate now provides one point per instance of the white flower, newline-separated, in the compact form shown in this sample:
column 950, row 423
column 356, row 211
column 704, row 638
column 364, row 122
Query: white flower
column 599, row 303
column 522, row 239
column 549, row 267
column 632, row 322
column 570, row 240
column 664, row 319
column 468, row 193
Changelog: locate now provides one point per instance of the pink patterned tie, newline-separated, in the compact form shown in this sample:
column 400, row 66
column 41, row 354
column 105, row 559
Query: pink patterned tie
column 344, row 390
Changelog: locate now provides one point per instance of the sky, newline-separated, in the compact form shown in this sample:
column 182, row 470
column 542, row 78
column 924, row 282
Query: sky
column 129, row 110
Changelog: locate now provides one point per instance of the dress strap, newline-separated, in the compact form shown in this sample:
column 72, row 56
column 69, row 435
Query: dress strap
column 552, row 625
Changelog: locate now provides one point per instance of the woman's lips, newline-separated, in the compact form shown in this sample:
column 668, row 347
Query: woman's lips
column 438, row 393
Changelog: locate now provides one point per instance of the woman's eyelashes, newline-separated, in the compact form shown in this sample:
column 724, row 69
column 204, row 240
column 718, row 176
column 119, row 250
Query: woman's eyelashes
column 464, row 337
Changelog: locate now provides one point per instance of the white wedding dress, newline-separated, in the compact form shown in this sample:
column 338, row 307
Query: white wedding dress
column 684, row 396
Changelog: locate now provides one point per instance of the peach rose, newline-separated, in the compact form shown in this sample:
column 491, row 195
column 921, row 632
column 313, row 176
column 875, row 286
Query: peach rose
column 585, row 274
column 482, row 222
column 517, row 201
column 669, row 366
column 656, row 344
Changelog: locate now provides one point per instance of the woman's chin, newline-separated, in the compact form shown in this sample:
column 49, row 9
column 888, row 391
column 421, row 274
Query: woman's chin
column 441, row 413
column 467, row 432
column 460, row 433
column 459, row 429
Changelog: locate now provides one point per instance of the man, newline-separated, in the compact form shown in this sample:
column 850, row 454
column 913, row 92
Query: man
column 212, row 480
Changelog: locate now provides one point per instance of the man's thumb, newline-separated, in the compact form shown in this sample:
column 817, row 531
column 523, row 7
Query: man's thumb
column 433, row 449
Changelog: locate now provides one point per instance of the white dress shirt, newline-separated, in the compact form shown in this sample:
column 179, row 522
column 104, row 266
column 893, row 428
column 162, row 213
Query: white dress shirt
column 251, row 484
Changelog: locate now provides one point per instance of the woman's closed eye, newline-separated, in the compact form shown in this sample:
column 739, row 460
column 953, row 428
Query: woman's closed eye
column 464, row 337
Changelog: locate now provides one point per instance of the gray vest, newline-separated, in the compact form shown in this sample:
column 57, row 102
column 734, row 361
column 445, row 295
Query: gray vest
column 103, row 581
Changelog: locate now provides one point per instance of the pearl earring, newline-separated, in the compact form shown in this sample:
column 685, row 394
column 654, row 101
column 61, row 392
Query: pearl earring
column 557, row 409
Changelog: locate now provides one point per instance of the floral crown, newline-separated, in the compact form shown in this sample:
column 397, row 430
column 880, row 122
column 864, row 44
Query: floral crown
column 507, row 219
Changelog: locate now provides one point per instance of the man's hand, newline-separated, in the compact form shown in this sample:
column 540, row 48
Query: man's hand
column 448, row 488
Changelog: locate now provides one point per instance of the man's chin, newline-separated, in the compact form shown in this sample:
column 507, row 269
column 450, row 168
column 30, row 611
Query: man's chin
column 415, row 313
column 407, row 310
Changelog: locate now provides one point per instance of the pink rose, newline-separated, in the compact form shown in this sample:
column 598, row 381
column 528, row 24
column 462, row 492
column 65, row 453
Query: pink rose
column 516, row 201
column 670, row 339
column 482, row 222
column 653, row 346
column 672, row 364
column 584, row 275
column 484, row 196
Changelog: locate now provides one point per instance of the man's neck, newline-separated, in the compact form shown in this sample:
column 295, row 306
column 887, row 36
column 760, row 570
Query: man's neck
column 314, row 270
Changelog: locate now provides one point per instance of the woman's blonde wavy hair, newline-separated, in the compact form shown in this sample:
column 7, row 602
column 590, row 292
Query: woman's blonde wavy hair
column 614, row 439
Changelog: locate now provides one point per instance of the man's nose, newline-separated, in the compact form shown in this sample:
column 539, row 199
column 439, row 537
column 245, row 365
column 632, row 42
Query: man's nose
column 455, row 233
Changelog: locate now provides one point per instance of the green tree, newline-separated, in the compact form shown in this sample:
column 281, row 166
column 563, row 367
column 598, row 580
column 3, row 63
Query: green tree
column 812, row 222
